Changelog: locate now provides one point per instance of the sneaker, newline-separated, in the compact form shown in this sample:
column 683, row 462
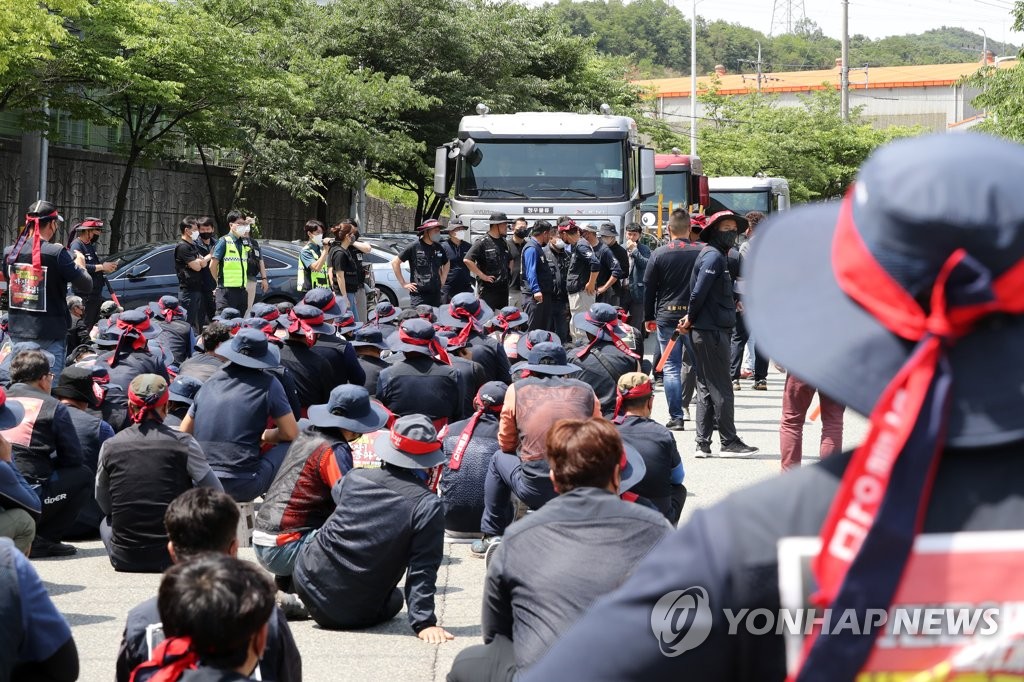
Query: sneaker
column 760, row 385
column 738, row 447
column 291, row 606
column 676, row 425
column 736, row 385
column 479, row 547
column 703, row 450
column 44, row 549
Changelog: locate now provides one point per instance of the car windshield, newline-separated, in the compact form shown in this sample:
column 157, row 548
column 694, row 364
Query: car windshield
column 673, row 188
column 129, row 256
column 740, row 202
column 582, row 170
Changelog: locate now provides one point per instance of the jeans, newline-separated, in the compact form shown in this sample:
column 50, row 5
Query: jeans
column 280, row 559
column 679, row 376
column 796, row 399
column 246, row 487
column 715, row 401
column 740, row 336
column 352, row 306
column 56, row 347
column 504, row 477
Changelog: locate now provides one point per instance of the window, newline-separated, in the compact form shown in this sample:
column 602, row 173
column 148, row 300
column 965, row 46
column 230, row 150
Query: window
column 740, row 202
column 275, row 264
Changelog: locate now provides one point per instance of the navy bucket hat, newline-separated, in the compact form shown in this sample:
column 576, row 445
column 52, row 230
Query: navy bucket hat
column 349, row 407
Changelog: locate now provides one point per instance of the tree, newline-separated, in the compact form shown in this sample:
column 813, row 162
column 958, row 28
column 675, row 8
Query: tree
column 1002, row 92
column 159, row 70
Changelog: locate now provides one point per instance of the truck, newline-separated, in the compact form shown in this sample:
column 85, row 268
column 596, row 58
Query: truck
column 744, row 194
column 680, row 183
column 542, row 165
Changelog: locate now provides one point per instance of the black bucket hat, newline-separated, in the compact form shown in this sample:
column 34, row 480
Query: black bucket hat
column 384, row 312
column 529, row 340
column 250, row 348
column 597, row 319
column 509, row 317
column 368, row 336
column 75, row 383
column 411, row 444
column 184, row 389
column 268, row 312
column 547, row 358
column 349, row 407
column 325, row 300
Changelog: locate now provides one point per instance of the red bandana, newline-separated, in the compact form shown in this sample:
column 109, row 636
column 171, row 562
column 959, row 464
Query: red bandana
column 883, row 497
column 32, row 224
column 304, row 326
column 172, row 657
column 641, row 391
column 170, row 313
column 610, row 329
column 502, row 321
column 411, row 446
column 467, row 433
column 132, row 336
column 472, row 324
column 432, row 346
column 144, row 406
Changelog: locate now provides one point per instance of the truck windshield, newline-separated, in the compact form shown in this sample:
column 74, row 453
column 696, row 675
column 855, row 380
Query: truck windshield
column 582, row 170
column 673, row 187
column 740, row 202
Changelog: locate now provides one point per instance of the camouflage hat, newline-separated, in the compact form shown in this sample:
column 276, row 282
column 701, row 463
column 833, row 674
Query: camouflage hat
column 148, row 387
column 632, row 380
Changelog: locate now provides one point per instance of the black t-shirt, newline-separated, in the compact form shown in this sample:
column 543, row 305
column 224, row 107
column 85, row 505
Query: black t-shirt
column 492, row 258
column 184, row 253
column 342, row 261
column 425, row 263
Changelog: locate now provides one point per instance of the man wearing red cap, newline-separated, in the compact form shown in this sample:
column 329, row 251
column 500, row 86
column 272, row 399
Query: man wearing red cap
column 428, row 266
column 38, row 274
column 87, row 233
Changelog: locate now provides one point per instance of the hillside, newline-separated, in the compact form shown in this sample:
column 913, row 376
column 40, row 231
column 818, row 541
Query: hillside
column 653, row 36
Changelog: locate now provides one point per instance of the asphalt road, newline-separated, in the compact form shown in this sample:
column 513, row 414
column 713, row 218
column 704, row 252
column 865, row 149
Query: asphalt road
column 95, row 599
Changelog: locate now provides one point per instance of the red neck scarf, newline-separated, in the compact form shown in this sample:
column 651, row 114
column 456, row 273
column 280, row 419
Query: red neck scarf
column 431, row 346
column 169, row 314
column 172, row 657
column 32, row 225
column 609, row 329
column 883, row 497
column 467, row 434
column 502, row 321
column 130, row 340
column 145, row 406
column 304, row 326
column 461, row 313
column 641, row 391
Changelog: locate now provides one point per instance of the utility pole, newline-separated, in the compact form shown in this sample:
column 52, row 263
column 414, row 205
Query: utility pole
column 984, row 47
column 759, row 67
column 844, row 84
column 693, row 80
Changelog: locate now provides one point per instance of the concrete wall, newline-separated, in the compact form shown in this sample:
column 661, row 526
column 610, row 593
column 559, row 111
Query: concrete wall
column 85, row 183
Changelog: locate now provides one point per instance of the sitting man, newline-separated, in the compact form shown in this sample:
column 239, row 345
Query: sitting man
column 216, row 613
column 203, row 521
column 467, row 315
column 299, row 500
column 313, row 373
column 47, row 452
column 368, row 343
column 469, row 446
column 662, row 484
column 128, row 336
column 182, row 391
column 176, row 337
column 387, row 524
column 231, row 414
column 531, row 406
column 421, row 380
column 141, row 470
column 606, row 356
column 553, row 564
column 203, row 364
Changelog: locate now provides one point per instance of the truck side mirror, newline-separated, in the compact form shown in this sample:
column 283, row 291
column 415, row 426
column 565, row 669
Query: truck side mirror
column 648, row 178
column 441, row 171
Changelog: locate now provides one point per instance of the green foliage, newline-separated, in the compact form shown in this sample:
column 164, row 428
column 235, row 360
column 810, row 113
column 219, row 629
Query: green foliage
column 1002, row 93
column 810, row 145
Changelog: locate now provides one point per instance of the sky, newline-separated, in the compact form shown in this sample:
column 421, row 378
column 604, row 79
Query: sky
column 873, row 18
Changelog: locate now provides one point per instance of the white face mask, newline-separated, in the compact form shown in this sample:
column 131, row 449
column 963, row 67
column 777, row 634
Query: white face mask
column 458, row 235
column 318, row 239
column 558, row 243
column 243, row 230
column 194, row 235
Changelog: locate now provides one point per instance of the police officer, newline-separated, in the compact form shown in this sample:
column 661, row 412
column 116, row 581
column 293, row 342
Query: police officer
column 606, row 355
column 490, row 262
column 538, row 282
column 87, row 233
column 313, row 258
column 582, row 270
column 38, row 274
column 230, row 264
column 666, row 299
column 459, row 280
column 427, row 263
column 711, row 314
column 422, row 380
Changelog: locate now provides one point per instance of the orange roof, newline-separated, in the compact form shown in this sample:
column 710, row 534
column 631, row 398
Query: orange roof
column 804, row 81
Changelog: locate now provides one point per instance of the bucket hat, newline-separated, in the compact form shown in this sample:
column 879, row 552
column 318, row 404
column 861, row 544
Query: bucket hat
column 715, row 218
column 528, row 341
column 91, row 224
column 497, row 219
column 349, row 407
column 464, row 309
column 308, row 321
column 429, row 225
column 632, row 468
column 75, row 383
column 607, row 230
column 167, row 308
column 547, row 358
column 598, row 320
column 268, row 312
column 417, row 336
column 384, row 312
column 368, row 336
column 325, row 300
column 184, row 389
column 509, row 317
column 11, row 411
column 228, row 314
column 250, row 348
column 411, row 444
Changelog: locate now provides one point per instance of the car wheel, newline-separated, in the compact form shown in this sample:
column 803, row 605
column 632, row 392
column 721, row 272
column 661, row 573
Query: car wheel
column 385, row 292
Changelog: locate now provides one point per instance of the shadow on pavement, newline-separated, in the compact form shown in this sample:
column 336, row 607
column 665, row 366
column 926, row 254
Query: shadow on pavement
column 76, row 619
column 54, row 589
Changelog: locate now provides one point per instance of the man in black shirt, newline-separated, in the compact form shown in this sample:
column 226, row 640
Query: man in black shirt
column 188, row 264
column 313, row 374
column 456, row 248
column 368, row 342
column 610, row 273
column 490, row 262
column 205, row 243
column 428, row 266
column 87, row 233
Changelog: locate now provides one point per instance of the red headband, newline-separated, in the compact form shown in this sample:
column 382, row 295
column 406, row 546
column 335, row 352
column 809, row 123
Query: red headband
column 91, row 223
column 32, row 224
column 133, row 333
column 610, row 328
column 411, row 446
column 870, row 539
column 432, row 345
column 642, row 391
column 144, row 406
column 304, row 326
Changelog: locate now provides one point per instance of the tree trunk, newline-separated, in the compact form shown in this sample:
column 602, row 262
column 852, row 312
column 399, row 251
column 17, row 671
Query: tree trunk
column 121, row 201
column 239, row 186
column 217, row 218
column 421, row 201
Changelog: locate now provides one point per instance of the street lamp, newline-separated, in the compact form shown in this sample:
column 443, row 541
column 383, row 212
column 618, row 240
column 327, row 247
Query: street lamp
column 693, row 80
column 984, row 46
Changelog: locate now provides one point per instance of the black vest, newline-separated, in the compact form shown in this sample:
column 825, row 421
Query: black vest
column 175, row 337
column 421, row 385
column 545, row 277
column 87, row 426
column 147, row 466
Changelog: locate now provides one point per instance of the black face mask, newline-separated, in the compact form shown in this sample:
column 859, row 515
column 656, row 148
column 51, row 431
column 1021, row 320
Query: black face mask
column 206, row 236
column 723, row 240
